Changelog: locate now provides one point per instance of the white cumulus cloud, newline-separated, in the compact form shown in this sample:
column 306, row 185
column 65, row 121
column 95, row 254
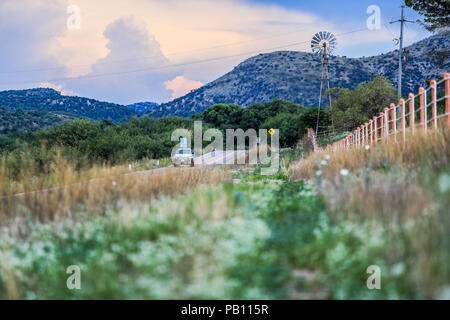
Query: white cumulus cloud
column 180, row 86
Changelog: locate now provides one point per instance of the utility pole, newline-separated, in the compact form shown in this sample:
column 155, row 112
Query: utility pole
column 400, row 52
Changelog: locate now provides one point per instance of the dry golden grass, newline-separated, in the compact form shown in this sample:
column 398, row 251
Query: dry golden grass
column 388, row 180
column 394, row 197
column 432, row 148
column 47, row 198
column 58, row 171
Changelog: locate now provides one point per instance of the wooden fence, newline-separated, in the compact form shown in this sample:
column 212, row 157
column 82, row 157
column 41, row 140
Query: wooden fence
column 394, row 122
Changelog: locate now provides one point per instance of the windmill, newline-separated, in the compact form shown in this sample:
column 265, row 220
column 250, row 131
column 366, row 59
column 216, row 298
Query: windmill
column 323, row 44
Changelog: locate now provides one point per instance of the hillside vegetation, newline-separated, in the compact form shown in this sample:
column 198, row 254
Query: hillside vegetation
column 45, row 99
column 19, row 120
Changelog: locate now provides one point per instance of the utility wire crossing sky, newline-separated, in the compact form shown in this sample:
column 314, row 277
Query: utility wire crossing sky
column 156, row 51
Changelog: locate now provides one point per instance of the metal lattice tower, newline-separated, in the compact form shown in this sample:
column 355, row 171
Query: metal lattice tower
column 323, row 44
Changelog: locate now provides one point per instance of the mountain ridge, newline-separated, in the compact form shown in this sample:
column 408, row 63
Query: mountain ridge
column 295, row 76
column 50, row 100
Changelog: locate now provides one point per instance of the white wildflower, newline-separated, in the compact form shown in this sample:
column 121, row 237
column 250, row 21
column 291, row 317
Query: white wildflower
column 398, row 269
column 444, row 182
column 344, row 172
column 318, row 173
column 367, row 147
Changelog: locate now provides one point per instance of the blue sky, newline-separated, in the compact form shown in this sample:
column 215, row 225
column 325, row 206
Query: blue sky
column 153, row 50
column 351, row 15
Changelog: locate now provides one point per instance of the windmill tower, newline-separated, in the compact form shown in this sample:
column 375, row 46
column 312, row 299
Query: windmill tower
column 323, row 44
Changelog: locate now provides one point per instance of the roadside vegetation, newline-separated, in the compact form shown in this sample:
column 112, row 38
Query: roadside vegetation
column 309, row 232
column 260, row 237
column 53, row 197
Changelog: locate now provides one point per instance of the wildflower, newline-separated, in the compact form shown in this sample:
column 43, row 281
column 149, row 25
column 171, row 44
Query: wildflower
column 398, row 269
column 327, row 157
column 444, row 182
column 344, row 172
column 318, row 173
column 114, row 183
column 367, row 147
column 323, row 162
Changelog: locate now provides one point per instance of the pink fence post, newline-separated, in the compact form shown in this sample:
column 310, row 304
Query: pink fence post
column 403, row 120
column 422, row 108
column 371, row 130
column 394, row 120
column 411, row 111
column 447, row 97
column 366, row 126
column 359, row 135
column 375, row 129
column 381, row 125
column 386, row 123
column 433, row 103
column 362, row 134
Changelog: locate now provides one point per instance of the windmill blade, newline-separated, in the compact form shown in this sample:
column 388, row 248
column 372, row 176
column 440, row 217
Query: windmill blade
column 316, row 38
column 323, row 42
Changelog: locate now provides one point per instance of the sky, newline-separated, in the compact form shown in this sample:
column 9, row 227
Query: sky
column 154, row 50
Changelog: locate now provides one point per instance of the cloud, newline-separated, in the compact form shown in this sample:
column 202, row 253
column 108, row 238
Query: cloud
column 28, row 33
column 59, row 88
column 131, row 47
column 180, row 86
column 189, row 30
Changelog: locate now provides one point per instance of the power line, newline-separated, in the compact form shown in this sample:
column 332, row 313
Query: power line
column 153, row 56
column 169, row 65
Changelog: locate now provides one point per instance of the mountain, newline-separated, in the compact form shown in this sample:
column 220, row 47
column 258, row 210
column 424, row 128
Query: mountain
column 18, row 120
column 141, row 107
column 295, row 76
column 45, row 99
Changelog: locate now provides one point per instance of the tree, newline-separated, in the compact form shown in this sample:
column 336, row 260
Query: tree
column 223, row 115
column 291, row 127
column 436, row 12
column 352, row 108
column 309, row 117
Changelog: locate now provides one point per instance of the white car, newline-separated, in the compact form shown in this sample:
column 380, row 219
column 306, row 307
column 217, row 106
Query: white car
column 183, row 156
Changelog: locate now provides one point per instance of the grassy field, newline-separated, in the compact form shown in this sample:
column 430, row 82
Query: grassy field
column 309, row 232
